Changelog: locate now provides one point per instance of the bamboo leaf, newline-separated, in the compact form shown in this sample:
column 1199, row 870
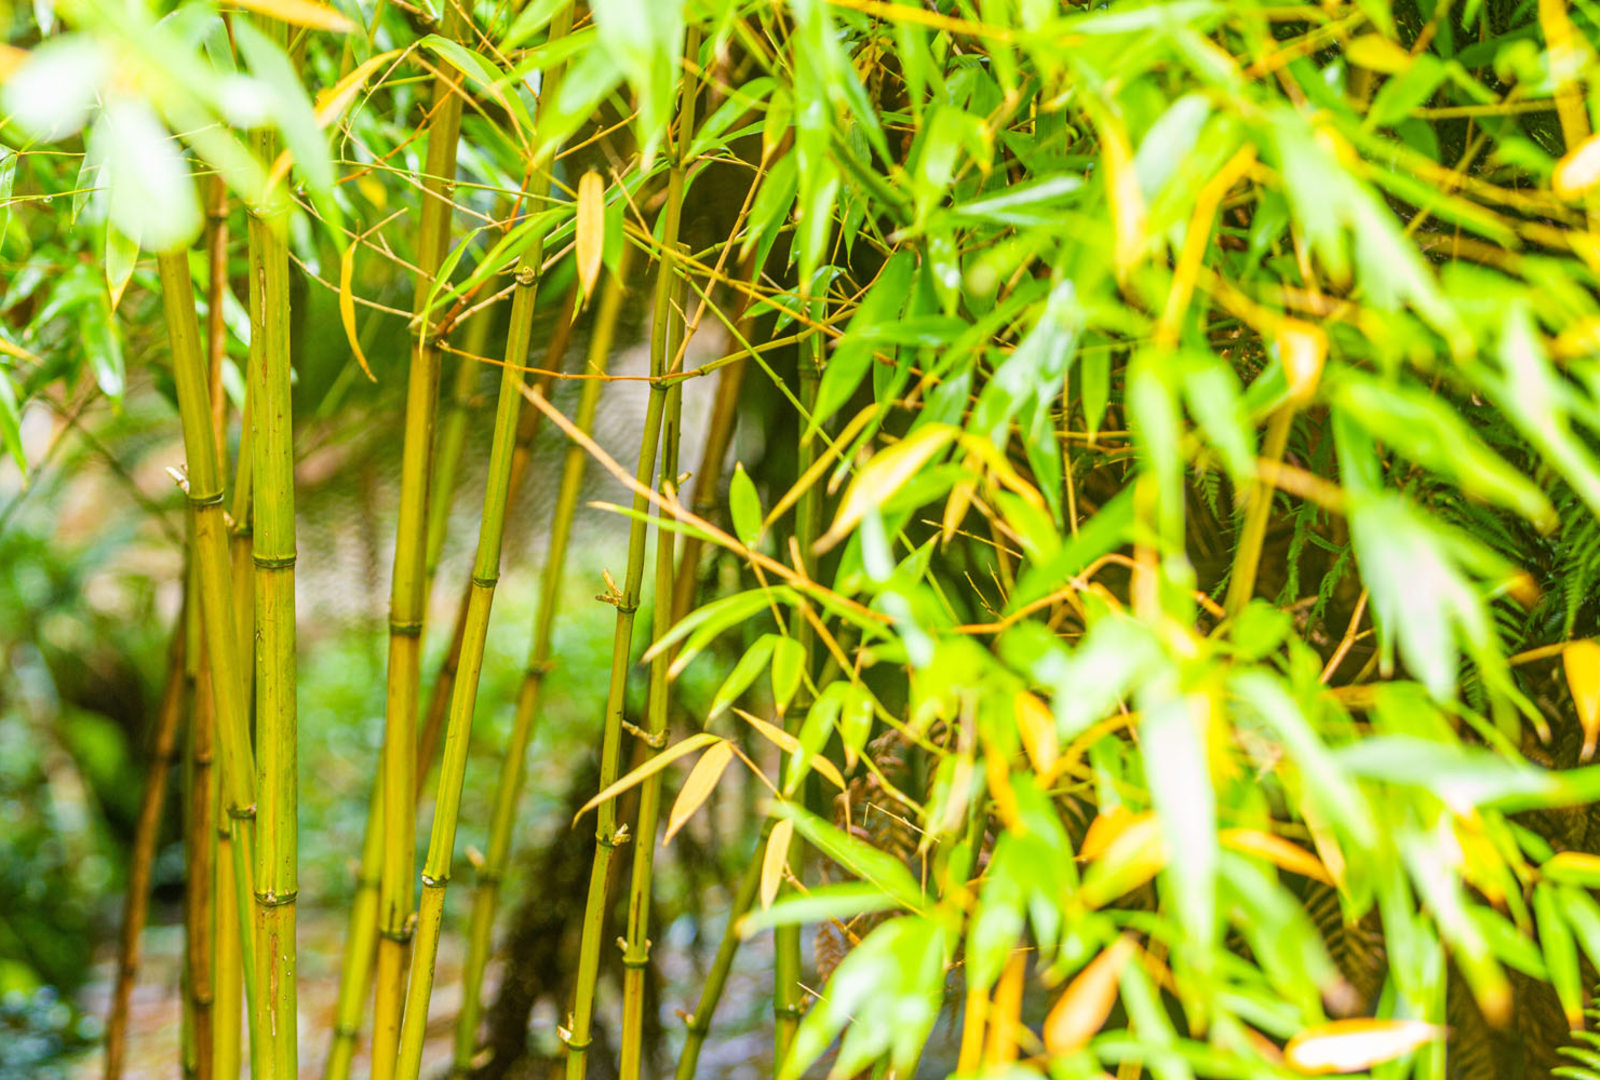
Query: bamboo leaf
column 591, row 234
column 1581, row 662
column 650, row 768
column 744, row 505
column 773, row 863
column 305, row 13
column 862, row 859
column 791, row 745
column 1276, row 850
column 1347, row 1046
column 697, row 786
column 886, row 474
column 1083, row 1007
column 347, row 307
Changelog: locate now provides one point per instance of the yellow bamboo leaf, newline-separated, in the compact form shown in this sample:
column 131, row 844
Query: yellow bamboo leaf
column 1005, row 1014
column 1278, row 851
column 1037, row 726
column 650, row 768
column 1348, row 1046
column 1579, row 171
column 1082, row 1009
column 1122, row 191
column 776, row 858
column 331, row 104
column 1302, row 348
column 1377, row 53
column 791, row 745
column 1107, row 826
column 697, row 787
column 1581, row 660
column 347, row 306
column 590, row 242
column 884, row 475
column 305, row 13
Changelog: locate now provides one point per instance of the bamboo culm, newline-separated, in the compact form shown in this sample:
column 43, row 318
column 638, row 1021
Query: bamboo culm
column 485, row 576
column 408, row 596
column 786, row 939
column 607, row 834
column 273, row 553
column 204, row 489
column 497, row 854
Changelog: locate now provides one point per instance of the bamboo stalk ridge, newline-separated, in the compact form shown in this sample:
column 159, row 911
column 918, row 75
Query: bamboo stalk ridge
column 529, row 695
column 408, row 593
column 273, row 552
column 485, row 577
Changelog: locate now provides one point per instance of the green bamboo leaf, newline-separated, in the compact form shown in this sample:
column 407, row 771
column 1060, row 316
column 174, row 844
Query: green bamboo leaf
column 11, row 425
column 883, row 870
column 754, row 661
column 744, row 505
column 822, row 904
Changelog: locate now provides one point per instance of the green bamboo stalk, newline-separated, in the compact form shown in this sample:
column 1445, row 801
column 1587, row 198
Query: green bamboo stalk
column 607, row 834
column 204, row 488
column 529, row 695
column 272, row 452
column 453, row 762
column 136, row 899
column 786, row 939
column 708, row 481
column 527, row 431
column 666, row 330
column 234, row 949
column 408, row 596
column 485, row 576
column 452, row 435
column 200, row 850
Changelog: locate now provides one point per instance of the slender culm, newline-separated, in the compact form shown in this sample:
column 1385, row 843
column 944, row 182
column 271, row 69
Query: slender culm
column 211, row 553
column 485, row 576
column 199, row 843
column 408, row 594
column 487, row 880
column 273, row 554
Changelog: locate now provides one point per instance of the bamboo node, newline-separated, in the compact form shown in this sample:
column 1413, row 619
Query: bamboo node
column 274, row 562
column 242, row 813
column 401, row 936
column 786, row 1012
column 486, row 582
column 526, row 276
column 276, row 899
column 538, row 669
column 637, row 961
column 655, row 740
column 431, row 882
column 405, row 629
column 202, row 501
column 612, row 840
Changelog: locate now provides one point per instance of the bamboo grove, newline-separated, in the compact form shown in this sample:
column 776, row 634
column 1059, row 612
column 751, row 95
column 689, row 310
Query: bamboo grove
column 1127, row 605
